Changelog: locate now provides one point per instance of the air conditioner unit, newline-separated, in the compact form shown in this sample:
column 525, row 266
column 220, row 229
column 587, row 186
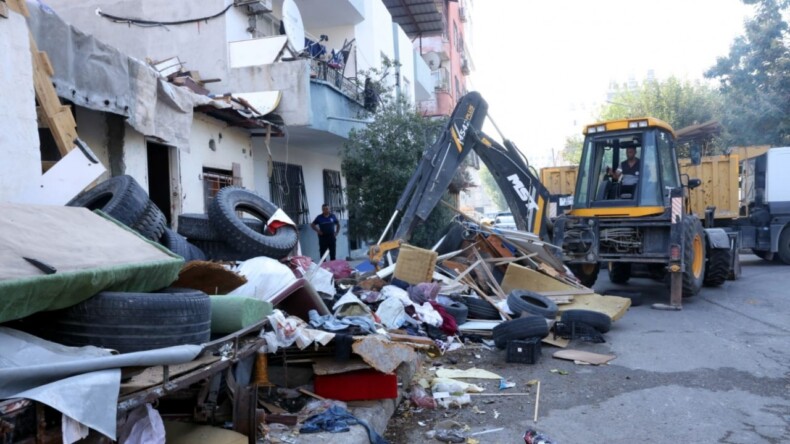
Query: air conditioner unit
column 255, row 6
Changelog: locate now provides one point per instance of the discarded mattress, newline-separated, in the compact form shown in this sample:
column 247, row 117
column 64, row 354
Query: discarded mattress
column 72, row 254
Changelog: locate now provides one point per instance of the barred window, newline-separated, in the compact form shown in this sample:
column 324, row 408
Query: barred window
column 333, row 193
column 288, row 191
column 215, row 179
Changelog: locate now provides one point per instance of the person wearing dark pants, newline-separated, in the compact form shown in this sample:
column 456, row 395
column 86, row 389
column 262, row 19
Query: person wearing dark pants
column 327, row 226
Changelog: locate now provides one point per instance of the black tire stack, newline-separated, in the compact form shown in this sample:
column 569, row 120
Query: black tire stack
column 223, row 235
column 123, row 199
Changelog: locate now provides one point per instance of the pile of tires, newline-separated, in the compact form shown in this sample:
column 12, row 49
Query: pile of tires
column 123, row 199
column 225, row 235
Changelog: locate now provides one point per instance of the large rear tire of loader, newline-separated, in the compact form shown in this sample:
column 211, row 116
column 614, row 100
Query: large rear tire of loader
column 693, row 256
column 619, row 272
column 784, row 246
column 718, row 268
column 586, row 273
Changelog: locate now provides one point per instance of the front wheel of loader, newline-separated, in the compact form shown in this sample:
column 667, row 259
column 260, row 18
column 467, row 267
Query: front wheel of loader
column 619, row 272
column 586, row 273
column 693, row 256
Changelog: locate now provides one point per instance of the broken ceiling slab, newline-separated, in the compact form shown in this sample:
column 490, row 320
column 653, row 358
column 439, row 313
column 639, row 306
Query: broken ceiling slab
column 381, row 354
column 583, row 356
column 263, row 102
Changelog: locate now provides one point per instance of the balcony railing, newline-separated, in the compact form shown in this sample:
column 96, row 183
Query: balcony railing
column 323, row 71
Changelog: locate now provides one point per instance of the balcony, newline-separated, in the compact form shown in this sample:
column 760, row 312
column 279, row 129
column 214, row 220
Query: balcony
column 424, row 83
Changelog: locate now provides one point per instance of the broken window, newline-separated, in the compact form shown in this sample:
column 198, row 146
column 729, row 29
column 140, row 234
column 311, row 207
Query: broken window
column 215, row 179
column 288, row 191
column 333, row 193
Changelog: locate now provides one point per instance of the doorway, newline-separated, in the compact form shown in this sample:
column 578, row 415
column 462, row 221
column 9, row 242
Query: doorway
column 159, row 178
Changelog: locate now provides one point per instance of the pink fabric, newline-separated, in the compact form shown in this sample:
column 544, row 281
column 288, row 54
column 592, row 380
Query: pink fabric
column 340, row 269
column 448, row 322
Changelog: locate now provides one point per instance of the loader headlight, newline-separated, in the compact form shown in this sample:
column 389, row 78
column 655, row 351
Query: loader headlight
column 638, row 124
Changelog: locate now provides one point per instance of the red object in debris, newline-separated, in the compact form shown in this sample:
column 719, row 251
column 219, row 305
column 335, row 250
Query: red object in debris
column 360, row 385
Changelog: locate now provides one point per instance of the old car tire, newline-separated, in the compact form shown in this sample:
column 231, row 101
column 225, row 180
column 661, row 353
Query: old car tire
column 528, row 301
column 619, row 272
column 196, row 226
column 220, row 251
column 586, row 273
column 152, row 223
column 693, row 256
column 223, row 216
column 718, row 268
column 176, row 243
column 120, row 197
column 600, row 321
column 130, row 322
column 531, row 326
column 480, row 309
column 458, row 311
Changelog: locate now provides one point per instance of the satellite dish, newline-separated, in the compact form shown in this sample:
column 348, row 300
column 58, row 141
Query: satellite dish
column 433, row 60
column 294, row 29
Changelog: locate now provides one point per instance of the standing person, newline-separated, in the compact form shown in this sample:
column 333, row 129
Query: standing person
column 327, row 226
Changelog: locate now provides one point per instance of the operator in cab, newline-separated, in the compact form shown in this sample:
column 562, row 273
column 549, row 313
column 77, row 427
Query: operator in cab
column 628, row 173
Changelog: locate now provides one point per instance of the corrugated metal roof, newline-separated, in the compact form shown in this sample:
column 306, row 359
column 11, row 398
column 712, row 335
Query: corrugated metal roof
column 417, row 17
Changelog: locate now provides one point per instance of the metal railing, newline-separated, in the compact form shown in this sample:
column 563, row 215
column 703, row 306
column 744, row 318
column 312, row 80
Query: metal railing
column 321, row 70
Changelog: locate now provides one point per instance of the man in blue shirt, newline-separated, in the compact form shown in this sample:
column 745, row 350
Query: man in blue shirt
column 327, row 226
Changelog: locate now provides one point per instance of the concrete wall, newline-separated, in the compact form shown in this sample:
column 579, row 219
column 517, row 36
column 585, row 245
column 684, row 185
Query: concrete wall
column 92, row 129
column 374, row 35
column 20, row 157
column 232, row 146
column 292, row 78
column 313, row 161
column 201, row 46
column 405, row 56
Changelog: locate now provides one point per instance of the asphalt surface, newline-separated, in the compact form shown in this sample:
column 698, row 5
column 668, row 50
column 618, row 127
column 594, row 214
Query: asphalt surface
column 716, row 372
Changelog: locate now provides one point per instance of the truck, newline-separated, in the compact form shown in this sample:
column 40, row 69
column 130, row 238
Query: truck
column 743, row 192
column 631, row 209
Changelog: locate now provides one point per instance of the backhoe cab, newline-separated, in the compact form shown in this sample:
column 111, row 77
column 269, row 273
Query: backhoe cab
column 630, row 207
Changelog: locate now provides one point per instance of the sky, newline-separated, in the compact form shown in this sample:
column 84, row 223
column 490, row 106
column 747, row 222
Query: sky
column 543, row 64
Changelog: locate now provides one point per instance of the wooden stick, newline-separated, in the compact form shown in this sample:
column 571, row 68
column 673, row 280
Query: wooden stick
column 311, row 394
column 537, row 403
column 490, row 275
column 467, row 271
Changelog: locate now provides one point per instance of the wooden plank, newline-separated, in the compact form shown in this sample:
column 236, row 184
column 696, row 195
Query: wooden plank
column 518, row 277
column 614, row 306
column 57, row 117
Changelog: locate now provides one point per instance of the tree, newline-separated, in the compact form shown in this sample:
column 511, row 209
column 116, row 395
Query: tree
column 572, row 151
column 491, row 188
column 378, row 162
column 679, row 103
column 755, row 79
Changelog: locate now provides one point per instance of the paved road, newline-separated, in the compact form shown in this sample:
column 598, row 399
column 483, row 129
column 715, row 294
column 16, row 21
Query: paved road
column 716, row 372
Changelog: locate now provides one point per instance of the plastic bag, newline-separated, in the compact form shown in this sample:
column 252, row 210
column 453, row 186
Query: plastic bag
column 420, row 398
column 265, row 278
column 148, row 427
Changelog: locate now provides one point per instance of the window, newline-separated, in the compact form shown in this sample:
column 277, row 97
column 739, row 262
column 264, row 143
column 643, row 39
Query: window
column 288, row 191
column 215, row 179
column 669, row 166
column 333, row 193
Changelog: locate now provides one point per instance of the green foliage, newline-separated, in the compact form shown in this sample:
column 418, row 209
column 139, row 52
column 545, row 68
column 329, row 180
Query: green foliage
column 679, row 103
column 378, row 162
column 491, row 188
column 572, row 151
column 755, row 79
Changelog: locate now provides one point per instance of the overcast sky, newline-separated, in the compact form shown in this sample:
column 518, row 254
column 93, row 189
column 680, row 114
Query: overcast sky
column 541, row 64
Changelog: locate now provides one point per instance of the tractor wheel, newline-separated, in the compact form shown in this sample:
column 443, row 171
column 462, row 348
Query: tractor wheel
column 718, row 268
column 764, row 255
column 619, row 272
column 693, row 256
column 587, row 273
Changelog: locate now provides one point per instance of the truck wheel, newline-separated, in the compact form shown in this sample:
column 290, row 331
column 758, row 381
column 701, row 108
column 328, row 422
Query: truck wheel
column 764, row 255
column 587, row 273
column 619, row 272
column 130, row 322
column 718, row 268
column 784, row 246
column 520, row 328
column 223, row 214
column 528, row 301
column 693, row 256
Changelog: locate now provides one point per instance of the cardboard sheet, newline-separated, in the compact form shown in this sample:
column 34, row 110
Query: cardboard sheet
column 583, row 356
